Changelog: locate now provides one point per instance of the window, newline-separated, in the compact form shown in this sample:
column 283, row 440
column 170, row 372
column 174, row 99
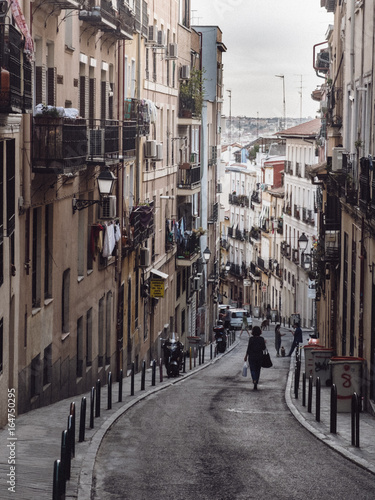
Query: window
column 178, row 285
column 48, row 239
column 1, row 345
column 65, row 301
column 79, row 366
column 183, row 320
column 1, row 213
column 108, row 318
column 101, row 333
column 47, row 365
column 36, row 257
column 89, row 337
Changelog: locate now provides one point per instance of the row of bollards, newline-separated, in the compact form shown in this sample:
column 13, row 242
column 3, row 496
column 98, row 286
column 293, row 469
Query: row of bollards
column 355, row 404
column 62, row 466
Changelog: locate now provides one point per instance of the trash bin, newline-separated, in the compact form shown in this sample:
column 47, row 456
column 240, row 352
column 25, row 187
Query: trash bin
column 347, row 376
column 321, row 366
column 256, row 312
column 309, row 363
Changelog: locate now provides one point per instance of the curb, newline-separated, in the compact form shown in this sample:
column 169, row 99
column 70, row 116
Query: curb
column 329, row 440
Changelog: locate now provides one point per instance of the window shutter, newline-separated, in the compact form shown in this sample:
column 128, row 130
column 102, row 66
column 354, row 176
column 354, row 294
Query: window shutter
column 82, row 98
column 40, row 84
column 92, row 98
column 103, row 100
column 51, row 89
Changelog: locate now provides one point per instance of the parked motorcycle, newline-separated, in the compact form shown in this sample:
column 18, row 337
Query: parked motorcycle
column 220, row 336
column 173, row 351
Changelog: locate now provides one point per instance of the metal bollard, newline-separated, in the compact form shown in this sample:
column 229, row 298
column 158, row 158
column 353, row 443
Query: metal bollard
column 109, row 392
column 309, row 395
column 82, row 420
column 317, row 399
column 303, row 389
column 97, row 401
column 195, row 356
column 65, row 456
column 190, row 360
column 69, row 439
column 211, row 351
column 58, row 490
column 132, row 380
column 143, row 376
column 161, row 369
column 203, row 355
column 153, row 380
column 120, row 381
column 92, row 403
column 73, row 435
column 333, row 410
column 199, row 355
column 184, row 362
column 355, row 420
column 296, row 383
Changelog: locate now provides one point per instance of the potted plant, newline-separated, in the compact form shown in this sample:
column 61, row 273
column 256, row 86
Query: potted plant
column 191, row 95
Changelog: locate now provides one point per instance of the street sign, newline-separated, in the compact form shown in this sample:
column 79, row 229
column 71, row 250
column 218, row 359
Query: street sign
column 157, row 288
column 246, row 282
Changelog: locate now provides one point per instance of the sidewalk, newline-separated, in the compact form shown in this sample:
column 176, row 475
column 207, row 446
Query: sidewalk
column 364, row 456
column 38, row 435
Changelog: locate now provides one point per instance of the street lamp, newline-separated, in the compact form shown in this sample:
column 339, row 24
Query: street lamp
column 227, row 266
column 106, row 181
column 207, row 255
column 302, row 242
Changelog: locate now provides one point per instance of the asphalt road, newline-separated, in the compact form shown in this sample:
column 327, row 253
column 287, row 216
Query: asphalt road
column 212, row 437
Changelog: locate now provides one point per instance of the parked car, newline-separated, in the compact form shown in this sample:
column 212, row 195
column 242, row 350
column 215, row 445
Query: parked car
column 237, row 319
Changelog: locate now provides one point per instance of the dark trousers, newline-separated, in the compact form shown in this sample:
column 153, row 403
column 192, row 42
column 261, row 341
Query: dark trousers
column 255, row 367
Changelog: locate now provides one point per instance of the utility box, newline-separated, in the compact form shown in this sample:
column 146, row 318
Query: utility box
column 347, row 377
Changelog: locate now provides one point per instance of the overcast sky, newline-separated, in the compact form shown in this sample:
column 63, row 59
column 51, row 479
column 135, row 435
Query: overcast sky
column 265, row 38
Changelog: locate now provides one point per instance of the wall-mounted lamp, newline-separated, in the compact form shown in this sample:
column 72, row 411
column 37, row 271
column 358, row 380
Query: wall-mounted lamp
column 207, row 254
column 227, row 266
column 106, row 181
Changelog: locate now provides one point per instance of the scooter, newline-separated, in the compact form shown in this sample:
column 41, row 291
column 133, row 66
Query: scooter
column 220, row 336
column 173, row 356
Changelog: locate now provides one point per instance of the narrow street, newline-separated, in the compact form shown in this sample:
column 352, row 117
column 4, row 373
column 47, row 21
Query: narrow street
column 213, row 437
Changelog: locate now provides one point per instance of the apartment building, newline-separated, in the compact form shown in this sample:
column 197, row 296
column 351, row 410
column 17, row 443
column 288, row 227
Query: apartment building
column 100, row 221
column 346, row 206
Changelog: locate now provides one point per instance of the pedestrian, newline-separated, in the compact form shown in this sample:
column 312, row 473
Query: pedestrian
column 297, row 338
column 227, row 318
column 245, row 325
column 278, row 336
column 254, row 352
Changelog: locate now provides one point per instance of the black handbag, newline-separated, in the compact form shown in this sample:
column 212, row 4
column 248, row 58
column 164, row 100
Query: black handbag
column 266, row 360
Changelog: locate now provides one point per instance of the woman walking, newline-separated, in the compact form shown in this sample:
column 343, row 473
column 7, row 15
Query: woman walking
column 254, row 352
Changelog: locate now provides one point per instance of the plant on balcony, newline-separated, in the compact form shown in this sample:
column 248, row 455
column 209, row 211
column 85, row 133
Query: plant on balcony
column 191, row 94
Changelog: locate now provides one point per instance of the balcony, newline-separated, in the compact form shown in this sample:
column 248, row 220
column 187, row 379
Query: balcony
column 188, row 250
column 188, row 179
column 129, row 138
column 239, row 200
column 254, row 272
column 364, row 185
column 117, row 22
column 16, row 73
column 141, row 221
column 190, row 96
column 254, row 234
column 214, row 216
column 279, row 229
column 331, row 246
column 297, row 213
column 104, row 141
column 285, row 249
column 137, row 112
column 255, row 197
column 59, row 145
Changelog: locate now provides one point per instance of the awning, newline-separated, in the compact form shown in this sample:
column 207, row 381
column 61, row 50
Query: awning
column 160, row 274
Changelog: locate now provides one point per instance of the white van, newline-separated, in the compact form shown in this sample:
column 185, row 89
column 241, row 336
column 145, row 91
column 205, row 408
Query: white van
column 237, row 319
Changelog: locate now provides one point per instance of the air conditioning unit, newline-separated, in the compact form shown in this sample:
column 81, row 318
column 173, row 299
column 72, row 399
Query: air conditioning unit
column 150, row 149
column 197, row 282
column 96, row 142
column 159, row 152
column 107, row 210
column 144, row 257
column 152, row 34
column 161, row 38
column 337, row 154
column 185, row 72
column 172, row 51
column 219, row 187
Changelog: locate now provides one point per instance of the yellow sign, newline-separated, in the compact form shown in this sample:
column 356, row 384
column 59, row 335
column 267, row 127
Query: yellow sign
column 157, row 288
